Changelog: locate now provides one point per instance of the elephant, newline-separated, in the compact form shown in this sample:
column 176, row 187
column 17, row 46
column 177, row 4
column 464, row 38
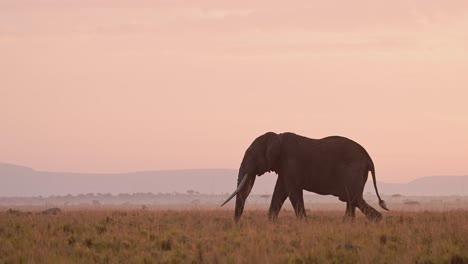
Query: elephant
column 333, row 165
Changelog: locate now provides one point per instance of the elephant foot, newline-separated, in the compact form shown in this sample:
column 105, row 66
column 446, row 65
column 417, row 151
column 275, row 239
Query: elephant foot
column 370, row 212
column 273, row 219
column 374, row 217
column 273, row 214
column 378, row 217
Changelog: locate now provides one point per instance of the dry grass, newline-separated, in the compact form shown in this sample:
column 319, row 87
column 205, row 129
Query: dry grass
column 198, row 236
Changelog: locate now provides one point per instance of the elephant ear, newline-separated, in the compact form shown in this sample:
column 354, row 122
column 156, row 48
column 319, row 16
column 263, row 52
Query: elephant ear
column 272, row 151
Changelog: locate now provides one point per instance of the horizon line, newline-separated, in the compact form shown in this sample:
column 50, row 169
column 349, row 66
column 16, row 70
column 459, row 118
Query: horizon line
column 195, row 169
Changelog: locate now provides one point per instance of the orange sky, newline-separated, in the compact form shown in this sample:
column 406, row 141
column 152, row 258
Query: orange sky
column 113, row 86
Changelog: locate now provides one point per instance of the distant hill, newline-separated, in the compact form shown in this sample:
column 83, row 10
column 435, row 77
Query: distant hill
column 23, row 181
column 425, row 186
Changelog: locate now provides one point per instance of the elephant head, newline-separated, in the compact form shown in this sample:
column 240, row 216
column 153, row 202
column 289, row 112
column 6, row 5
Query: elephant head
column 259, row 158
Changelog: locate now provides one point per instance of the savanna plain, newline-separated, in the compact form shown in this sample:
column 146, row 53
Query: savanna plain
column 136, row 235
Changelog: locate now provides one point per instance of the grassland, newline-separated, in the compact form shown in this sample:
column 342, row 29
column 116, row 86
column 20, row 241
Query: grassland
column 211, row 236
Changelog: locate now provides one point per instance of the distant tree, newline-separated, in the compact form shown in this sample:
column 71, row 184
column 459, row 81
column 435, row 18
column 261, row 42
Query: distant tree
column 265, row 196
column 411, row 202
column 192, row 192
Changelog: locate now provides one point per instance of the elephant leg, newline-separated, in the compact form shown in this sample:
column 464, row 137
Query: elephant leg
column 279, row 196
column 369, row 211
column 297, row 201
column 350, row 211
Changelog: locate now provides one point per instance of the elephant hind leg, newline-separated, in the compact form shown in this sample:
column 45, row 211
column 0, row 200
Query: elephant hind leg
column 369, row 211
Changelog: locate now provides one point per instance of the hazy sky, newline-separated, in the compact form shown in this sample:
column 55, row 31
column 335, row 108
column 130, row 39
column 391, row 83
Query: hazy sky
column 112, row 86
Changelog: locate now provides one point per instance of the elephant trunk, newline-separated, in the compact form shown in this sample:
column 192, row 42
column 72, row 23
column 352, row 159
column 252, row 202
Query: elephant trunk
column 243, row 193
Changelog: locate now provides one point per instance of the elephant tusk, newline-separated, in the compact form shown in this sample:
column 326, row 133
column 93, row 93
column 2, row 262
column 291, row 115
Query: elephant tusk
column 237, row 190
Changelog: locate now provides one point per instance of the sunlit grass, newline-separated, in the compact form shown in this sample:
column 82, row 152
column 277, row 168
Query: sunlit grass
column 198, row 236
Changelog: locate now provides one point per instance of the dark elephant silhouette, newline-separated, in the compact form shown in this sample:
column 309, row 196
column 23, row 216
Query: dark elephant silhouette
column 329, row 166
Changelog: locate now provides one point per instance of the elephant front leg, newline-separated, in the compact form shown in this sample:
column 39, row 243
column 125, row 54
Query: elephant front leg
column 279, row 196
column 350, row 211
column 297, row 201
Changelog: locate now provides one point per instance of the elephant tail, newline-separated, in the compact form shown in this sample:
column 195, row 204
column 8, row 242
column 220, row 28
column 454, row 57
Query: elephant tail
column 372, row 170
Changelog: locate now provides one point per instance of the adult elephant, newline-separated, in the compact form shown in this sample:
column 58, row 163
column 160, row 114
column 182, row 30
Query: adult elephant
column 333, row 165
